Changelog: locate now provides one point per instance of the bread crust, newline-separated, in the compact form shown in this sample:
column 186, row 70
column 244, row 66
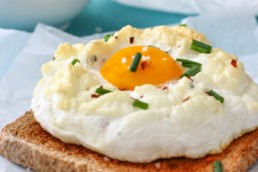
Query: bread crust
column 26, row 143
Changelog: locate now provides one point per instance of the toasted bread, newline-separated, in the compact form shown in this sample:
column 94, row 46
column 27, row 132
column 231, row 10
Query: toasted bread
column 26, row 143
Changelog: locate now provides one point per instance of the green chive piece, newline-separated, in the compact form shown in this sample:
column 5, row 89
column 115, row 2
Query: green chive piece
column 188, row 63
column 184, row 25
column 193, row 66
column 192, row 71
column 135, row 62
column 216, row 96
column 75, row 61
column 217, row 166
column 140, row 104
column 102, row 91
column 201, row 47
column 106, row 37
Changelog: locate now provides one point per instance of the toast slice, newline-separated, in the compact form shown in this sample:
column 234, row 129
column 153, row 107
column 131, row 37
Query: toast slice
column 24, row 142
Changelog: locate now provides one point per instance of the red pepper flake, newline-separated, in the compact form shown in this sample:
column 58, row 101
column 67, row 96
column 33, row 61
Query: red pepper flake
column 131, row 40
column 234, row 63
column 123, row 89
column 186, row 99
column 95, row 95
column 190, row 78
column 145, row 64
column 210, row 159
column 164, row 88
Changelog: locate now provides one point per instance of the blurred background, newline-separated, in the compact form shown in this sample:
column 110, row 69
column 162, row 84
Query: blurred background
column 80, row 17
column 108, row 15
column 85, row 17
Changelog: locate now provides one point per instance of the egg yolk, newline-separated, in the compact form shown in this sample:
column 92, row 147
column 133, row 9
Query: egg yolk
column 155, row 67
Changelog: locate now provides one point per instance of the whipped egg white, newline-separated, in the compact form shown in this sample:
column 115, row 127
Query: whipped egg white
column 181, row 120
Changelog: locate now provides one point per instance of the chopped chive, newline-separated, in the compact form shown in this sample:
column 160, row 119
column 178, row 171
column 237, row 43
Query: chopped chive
column 201, row 47
column 102, row 91
column 188, row 63
column 216, row 96
column 54, row 58
column 75, row 61
column 106, row 37
column 193, row 66
column 217, row 166
column 184, row 25
column 140, row 104
column 135, row 62
column 192, row 71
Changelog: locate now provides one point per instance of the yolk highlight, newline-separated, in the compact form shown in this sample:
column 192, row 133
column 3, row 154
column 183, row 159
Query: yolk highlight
column 156, row 67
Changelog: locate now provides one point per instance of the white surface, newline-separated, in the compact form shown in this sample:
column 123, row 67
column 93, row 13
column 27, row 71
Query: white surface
column 16, row 86
column 10, row 47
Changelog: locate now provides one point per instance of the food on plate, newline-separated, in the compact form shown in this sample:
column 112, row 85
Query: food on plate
column 143, row 97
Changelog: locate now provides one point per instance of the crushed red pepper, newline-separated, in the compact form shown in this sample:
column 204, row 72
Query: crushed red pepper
column 164, row 88
column 145, row 64
column 95, row 95
column 234, row 63
column 210, row 159
column 186, row 99
column 189, row 78
column 131, row 40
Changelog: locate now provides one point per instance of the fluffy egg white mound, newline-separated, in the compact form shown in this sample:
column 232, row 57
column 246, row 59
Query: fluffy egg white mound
column 182, row 120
